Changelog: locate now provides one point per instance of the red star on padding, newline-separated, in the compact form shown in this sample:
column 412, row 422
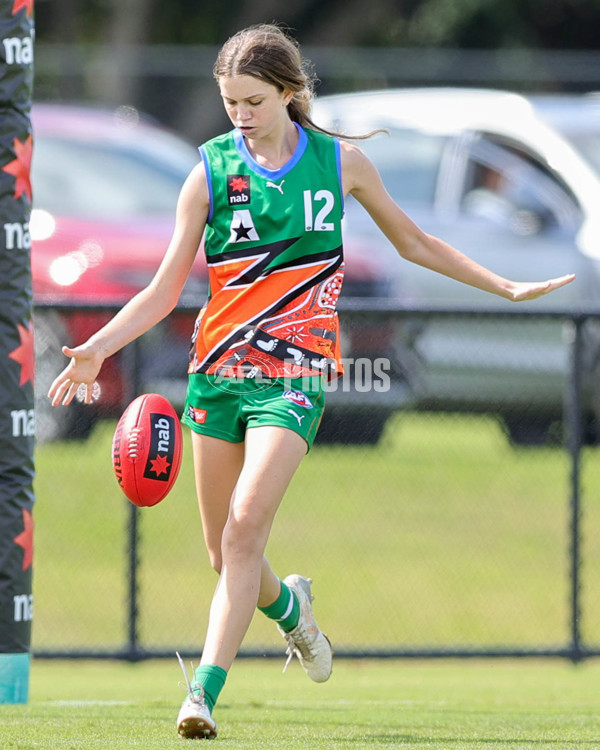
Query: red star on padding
column 24, row 355
column 160, row 465
column 25, row 539
column 19, row 4
column 238, row 184
column 20, row 167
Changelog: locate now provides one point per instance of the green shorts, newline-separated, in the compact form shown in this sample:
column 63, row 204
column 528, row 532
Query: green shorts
column 226, row 407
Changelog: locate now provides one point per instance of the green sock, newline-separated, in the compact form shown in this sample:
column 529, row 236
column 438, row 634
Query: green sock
column 285, row 609
column 212, row 679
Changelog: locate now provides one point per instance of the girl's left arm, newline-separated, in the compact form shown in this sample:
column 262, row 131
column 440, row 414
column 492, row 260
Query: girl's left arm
column 361, row 179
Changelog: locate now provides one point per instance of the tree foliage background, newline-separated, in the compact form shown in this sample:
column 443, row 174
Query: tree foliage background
column 549, row 24
column 157, row 55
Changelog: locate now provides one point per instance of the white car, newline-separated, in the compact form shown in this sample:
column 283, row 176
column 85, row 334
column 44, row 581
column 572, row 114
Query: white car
column 513, row 182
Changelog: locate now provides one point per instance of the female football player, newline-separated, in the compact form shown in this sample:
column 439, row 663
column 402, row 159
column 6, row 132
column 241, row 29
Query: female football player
column 268, row 199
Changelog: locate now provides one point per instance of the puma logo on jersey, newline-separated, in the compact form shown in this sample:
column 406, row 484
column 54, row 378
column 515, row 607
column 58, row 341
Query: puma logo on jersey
column 276, row 186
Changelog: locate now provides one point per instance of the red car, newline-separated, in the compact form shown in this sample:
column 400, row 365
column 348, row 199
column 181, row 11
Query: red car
column 105, row 187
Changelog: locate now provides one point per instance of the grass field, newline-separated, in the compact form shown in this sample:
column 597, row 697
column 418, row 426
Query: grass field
column 416, row 705
column 449, row 534
column 442, row 534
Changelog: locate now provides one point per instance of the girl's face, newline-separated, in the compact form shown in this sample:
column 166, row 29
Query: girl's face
column 254, row 106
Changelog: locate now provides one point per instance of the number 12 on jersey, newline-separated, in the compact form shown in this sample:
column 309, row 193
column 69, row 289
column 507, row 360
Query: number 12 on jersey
column 312, row 203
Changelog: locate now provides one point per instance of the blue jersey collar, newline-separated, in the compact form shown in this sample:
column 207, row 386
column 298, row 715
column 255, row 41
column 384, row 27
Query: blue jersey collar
column 273, row 174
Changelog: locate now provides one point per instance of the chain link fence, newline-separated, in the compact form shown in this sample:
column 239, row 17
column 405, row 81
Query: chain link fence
column 174, row 83
column 450, row 506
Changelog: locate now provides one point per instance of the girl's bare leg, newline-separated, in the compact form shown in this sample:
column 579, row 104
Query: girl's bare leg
column 271, row 456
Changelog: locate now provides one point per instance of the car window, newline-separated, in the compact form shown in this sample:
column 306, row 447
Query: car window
column 408, row 161
column 102, row 181
column 505, row 185
column 588, row 145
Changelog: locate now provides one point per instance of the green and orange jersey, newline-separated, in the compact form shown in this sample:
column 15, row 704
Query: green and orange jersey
column 273, row 245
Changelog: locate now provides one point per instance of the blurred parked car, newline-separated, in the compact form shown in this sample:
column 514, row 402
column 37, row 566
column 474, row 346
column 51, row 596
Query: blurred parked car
column 513, row 182
column 105, row 187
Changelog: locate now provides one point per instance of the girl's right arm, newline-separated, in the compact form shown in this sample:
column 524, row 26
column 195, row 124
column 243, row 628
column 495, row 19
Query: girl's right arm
column 150, row 305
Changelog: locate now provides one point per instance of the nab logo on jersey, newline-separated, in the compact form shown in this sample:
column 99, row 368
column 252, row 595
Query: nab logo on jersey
column 238, row 189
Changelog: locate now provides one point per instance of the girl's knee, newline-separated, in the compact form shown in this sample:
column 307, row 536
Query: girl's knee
column 242, row 539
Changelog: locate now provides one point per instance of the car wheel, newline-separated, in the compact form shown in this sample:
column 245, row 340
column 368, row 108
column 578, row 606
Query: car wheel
column 352, row 425
column 532, row 430
column 55, row 423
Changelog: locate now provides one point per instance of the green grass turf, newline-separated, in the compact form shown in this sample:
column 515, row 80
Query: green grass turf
column 448, row 533
column 449, row 705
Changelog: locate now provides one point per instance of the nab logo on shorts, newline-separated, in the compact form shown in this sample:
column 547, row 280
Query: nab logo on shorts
column 298, row 398
column 238, row 189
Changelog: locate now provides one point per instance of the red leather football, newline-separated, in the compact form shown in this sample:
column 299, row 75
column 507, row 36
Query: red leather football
column 146, row 449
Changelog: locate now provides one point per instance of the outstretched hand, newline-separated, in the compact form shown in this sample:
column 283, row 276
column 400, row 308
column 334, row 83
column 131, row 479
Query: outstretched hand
column 83, row 368
column 526, row 290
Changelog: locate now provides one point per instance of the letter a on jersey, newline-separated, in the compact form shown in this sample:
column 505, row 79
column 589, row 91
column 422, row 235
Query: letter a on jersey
column 242, row 227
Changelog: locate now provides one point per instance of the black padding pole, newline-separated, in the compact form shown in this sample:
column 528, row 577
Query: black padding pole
column 17, row 418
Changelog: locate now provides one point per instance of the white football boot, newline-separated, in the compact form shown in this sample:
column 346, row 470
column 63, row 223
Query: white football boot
column 194, row 720
column 310, row 645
